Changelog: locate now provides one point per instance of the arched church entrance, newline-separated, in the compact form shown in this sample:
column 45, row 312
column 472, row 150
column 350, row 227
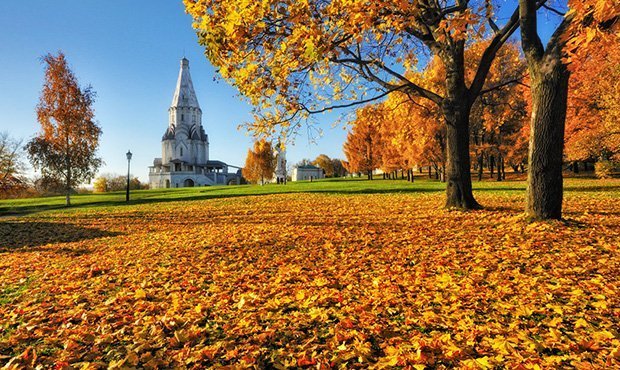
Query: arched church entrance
column 189, row 183
column 167, row 183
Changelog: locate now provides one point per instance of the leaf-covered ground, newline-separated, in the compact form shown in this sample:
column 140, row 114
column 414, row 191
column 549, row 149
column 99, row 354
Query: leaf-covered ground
column 315, row 280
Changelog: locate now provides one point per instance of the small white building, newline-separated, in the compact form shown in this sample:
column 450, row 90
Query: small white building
column 307, row 172
column 185, row 144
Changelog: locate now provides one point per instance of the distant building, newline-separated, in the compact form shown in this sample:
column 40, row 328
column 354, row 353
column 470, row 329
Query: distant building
column 185, row 144
column 307, row 172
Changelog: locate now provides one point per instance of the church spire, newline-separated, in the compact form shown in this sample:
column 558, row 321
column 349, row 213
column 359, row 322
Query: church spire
column 184, row 94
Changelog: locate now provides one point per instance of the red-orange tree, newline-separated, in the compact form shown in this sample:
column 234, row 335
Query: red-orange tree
column 294, row 58
column 66, row 146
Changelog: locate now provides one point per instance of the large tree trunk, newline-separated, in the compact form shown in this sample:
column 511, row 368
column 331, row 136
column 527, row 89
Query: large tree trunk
column 456, row 107
column 544, row 179
column 458, row 172
column 549, row 86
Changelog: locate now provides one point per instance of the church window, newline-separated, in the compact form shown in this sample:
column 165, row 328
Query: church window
column 181, row 152
column 182, row 117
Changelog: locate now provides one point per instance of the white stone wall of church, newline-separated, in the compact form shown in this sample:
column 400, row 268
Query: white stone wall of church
column 167, row 151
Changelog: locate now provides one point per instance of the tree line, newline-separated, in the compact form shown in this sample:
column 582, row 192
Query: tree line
column 404, row 132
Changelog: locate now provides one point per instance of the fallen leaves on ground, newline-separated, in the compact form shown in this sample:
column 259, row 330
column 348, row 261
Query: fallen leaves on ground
column 321, row 281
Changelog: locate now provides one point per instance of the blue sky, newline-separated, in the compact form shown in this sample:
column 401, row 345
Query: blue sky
column 129, row 51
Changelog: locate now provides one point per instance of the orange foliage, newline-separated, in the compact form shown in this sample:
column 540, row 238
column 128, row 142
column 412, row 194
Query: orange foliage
column 65, row 148
column 592, row 129
column 373, row 280
column 411, row 131
column 361, row 147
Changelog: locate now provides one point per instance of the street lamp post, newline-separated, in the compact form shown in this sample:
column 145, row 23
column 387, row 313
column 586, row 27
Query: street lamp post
column 128, row 163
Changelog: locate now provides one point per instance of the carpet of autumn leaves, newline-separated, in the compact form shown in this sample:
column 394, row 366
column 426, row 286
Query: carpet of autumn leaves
column 314, row 280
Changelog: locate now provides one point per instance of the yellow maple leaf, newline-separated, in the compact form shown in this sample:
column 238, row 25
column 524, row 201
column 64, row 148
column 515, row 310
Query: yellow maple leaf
column 581, row 323
column 140, row 294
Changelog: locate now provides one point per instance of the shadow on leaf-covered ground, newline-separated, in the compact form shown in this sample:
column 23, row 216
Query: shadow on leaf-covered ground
column 14, row 235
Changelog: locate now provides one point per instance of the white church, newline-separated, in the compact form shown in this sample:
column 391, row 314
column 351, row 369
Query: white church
column 184, row 158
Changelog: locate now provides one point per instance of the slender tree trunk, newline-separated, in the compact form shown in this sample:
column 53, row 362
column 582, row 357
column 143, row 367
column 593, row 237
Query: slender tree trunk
column 480, row 166
column 492, row 165
column 430, row 176
column 68, row 185
column 499, row 167
column 576, row 166
column 68, row 195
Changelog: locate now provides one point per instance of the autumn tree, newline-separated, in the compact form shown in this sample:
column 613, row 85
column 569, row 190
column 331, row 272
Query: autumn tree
column 500, row 114
column 66, row 146
column 11, row 165
column 592, row 130
column 362, row 147
column 339, row 167
column 325, row 163
column 114, row 182
column 293, row 59
column 260, row 162
column 304, row 162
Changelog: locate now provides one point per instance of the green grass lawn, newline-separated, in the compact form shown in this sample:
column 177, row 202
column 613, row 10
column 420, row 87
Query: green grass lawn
column 326, row 186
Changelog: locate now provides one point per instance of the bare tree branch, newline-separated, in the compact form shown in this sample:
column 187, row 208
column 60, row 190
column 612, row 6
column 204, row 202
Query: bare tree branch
column 515, row 81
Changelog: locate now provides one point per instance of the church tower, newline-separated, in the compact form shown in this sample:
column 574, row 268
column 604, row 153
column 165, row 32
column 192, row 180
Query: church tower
column 185, row 140
column 184, row 158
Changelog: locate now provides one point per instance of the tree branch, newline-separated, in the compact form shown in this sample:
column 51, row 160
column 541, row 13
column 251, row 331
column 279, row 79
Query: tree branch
column 407, row 84
column 503, row 84
column 553, row 10
column 348, row 105
column 489, row 55
column 532, row 45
